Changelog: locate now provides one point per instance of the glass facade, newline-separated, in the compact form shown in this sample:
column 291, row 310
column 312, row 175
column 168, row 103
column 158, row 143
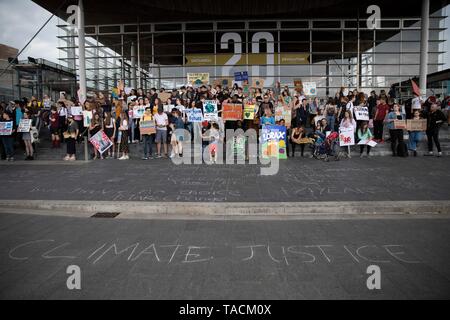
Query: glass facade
column 332, row 53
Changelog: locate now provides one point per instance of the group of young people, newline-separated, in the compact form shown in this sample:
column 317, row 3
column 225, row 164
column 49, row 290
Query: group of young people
column 311, row 120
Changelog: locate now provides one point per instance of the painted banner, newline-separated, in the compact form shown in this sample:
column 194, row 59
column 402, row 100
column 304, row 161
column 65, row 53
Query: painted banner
column 362, row 113
column 6, row 128
column 346, row 136
column 168, row 107
column 416, row 125
column 194, row 115
column 231, row 111
column 249, row 111
column 147, row 127
column 87, row 118
column 283, row 112
column 198, row 79
column 258, row 83
column 101, row 142
column 76, row 111
column 309, row 88
column 210, row 110
column 24, row 125
column 273, row 142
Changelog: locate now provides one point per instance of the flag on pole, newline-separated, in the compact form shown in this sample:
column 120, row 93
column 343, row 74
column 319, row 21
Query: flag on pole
column 415, row 88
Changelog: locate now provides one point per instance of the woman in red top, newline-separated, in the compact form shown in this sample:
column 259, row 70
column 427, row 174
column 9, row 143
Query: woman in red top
column 54, row 127
column 378, row 120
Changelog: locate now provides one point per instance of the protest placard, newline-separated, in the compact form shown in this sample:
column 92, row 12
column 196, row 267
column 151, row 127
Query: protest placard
column 283, row 112
column 198, row 79
column 24, row 125
column 194, row 115
column 309, row 88
column 231, row 111
column 101, row 142
column 76, row 111
column 147, row 127
column 399, row 124
column 87, row 118
column 416, row 125
column 168, row 107
column 138, row 112
column 6, row 128
column 370, row 143
column 257, row 83
column 224, row 82
column 249, row 111
column 346, row 136
column 362, row 113
column 273, row 142
column 298, row 84
column 210, row 110
column 164, row 96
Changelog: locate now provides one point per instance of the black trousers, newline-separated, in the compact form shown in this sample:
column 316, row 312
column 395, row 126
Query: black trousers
column 396, row 138
column 378, row 129
column 71, row 146
column 302, row 148
column 433, row 135
column 361, row 149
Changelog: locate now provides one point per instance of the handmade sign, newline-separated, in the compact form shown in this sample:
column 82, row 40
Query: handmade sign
column 273, row 142
column 101, row 142
column 399, row 124
column 164, row 96
column 283, row 112
column 346, row 136
column 231, row 111
column 198, row 79
column 210, row 110
column 370, row 143
column 24, row 125
column 298, row 85
column 224, row 82
column 309, row 88
column 249, row 111
column 362, row 113
column 257, row 83
column 168, row 107
column 138, row 112
column 416, row 125
column 87, row 118
column 6, row 128
column 194, row 115
column 147, row 127
column 76, row 111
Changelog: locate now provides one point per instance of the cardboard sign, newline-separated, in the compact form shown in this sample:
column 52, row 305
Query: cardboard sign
column 147, row 127
column 138, row 112
column 399, row 124
column 362, row 113
column 346, row 136
column 6, row 128
column 194, row 115
column 210, row 110
column 309, row 88
column 164, row 96
column 198, row 79
column 298, row 84
column 224, row 82
column 416, row 125
column 168, row 107
column 24, row 125
column 76, row 111
column 87, row 118
column 101, row 142
column 258, row 83
column 273, row 142
column 370, row 143
column 283, row 112
column 249, row 111
column 231, row 111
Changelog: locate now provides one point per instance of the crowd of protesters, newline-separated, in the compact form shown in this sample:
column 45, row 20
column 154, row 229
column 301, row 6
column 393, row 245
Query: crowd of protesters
column 311, row 117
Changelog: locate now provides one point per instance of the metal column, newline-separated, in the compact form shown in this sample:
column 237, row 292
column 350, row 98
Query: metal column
column 133, row 65
column 81, row 52
column 425, row 24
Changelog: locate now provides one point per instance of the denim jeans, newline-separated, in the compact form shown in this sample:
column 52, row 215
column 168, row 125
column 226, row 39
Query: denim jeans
column 414, row 139
column 8, row 143
column 331, row 120
column 148, row 144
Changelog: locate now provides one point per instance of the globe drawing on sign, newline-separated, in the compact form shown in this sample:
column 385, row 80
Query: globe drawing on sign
column 198, row 82
column 209, row 108
column 313, row 91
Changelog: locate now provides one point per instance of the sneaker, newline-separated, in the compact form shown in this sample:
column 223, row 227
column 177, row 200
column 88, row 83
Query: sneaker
column 66, row 158
column 172, row 155
column 72, row 158
column 11, row 159
column 144, row 158
column 361, row 156
column 439, row 154
column 121, row 158
column 127, row 157
column 158, row 156
column 430, row 153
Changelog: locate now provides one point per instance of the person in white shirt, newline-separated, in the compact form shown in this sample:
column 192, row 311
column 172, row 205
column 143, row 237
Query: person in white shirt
column 416, row 103
column 161, row 121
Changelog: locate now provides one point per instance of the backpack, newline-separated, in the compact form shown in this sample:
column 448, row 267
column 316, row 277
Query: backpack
column 402, row 150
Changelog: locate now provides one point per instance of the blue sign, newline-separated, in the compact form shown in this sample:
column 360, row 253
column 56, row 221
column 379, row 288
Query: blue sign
column 238, row 76
column 245, row 76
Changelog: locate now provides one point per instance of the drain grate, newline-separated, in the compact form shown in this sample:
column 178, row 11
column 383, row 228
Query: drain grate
column 105, row 215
